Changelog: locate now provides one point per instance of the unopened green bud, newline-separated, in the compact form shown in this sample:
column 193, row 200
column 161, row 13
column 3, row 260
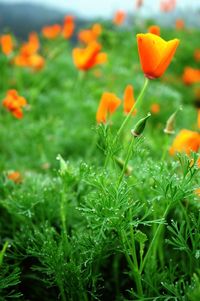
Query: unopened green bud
column 140, row 126
column 169, row 128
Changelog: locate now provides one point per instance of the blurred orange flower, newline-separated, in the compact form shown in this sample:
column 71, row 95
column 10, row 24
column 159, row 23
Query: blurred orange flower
column 186, row 141
column 154, row 29
column 197, row 55
column 155, row 108
column 108, row 104
column 86, row 58
column 191, row 76
column 51, row 31
column 167, row 5
column 119, row 17
column 6, row 44
column 180, row 24
column 89, row 35
column 32, row 46
column 155, row 54
column 129, row 99
column 15, row 176
column 14, row 103
column 68, row 27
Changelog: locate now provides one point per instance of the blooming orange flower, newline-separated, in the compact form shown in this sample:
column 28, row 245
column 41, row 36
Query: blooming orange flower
column 129, row 99
column 89, row 35
column 154, row 29
column 155, row 108
column 108, row 104
column 167, row 5
column 155, row 54
column 14, row 103
column 68, row 27
column 119, row 17
column 191, row 76
column 180, row 24
column 197, row 55
column 86, row 58
column 186, row 141
column 15, row 176
column 6, row 44
column 32, row 46
column 51, row 31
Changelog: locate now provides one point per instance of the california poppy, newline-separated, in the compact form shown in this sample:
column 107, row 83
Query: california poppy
column 186, row 141
column 51, row 31
column 129, row 99
column 89, row 35
column 86, row 58
column 68, row 27
column 180, row 24
column 32, row 46
column 119, row 17
column 154, row 29
column 14, row 103
column 155, row 54
column 108, row 104
column 191, row 76
column 6, row 44
column 15, row 176
column 155, row 108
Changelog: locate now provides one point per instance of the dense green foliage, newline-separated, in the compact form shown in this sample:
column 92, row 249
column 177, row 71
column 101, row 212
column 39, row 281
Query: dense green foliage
column 72, row 230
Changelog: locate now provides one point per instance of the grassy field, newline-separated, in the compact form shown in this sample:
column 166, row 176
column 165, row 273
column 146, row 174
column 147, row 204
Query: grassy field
column 74, row 228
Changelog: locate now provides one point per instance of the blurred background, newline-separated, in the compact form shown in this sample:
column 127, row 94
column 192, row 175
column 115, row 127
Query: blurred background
column 23, row 16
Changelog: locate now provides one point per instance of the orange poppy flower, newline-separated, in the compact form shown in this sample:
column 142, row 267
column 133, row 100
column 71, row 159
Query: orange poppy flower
column 167, row 5
column 86, row 58
column 119, row 17
column 155, row 108
column 186, row 141
column 129, row 99
column 89, row 35
column 32, row 46
column 155, row 54
column 51, row 31
column 15, row 176
column 197, row 55
column 68, row 27
column 180, row 24
column 191, row 76
column 108, row 104
column 14, row 103
column 6, row 44
column 154, row 29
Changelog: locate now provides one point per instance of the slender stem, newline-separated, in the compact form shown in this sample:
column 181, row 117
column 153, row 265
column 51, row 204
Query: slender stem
column 63, row 215
column 156, row 235
column 165, row 148
column 126, row 161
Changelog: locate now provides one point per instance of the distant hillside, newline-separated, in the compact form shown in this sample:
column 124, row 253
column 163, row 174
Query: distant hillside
column 23, row 18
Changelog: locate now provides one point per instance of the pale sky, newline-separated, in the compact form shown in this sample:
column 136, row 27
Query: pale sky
column 103, row 8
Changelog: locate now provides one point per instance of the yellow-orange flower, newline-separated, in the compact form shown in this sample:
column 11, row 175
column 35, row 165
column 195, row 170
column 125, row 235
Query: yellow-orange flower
column 155, row 108
column 186, row 141
column 155, row 54
column 89, row 35
column 51, row 31
column 68, row 27
column 129, row 99
column 119, row 17
column 154, row 29
column 14, row 103
column 32, row 46
column 191, row 76
column 108, row 104
column 86, row 58
column 15, row 176
column 6, row 44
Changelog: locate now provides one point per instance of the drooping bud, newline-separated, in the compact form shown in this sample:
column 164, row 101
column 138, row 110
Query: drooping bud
column 169, row 128
column 140, row 126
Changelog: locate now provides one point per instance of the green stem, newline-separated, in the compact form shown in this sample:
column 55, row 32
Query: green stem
column 156, row 236
column 165, row 148
column 126, row 161
column 63, row 215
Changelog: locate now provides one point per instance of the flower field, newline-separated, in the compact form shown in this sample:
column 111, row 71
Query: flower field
column 99, row 159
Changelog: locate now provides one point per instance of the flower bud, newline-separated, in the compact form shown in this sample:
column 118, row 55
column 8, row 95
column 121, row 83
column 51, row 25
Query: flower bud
column 169, row 128
column 140, row 126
